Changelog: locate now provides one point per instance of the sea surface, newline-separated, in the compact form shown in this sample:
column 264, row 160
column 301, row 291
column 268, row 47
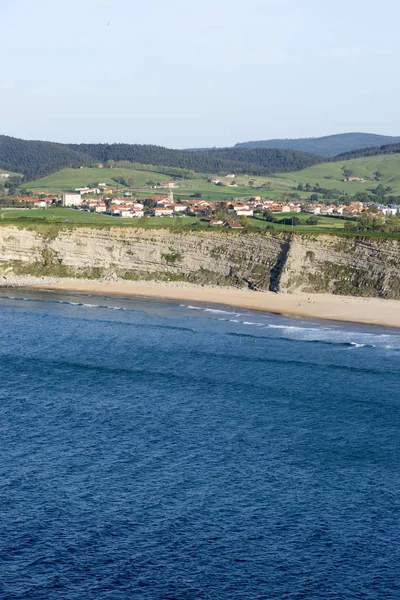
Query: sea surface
column 167, row 451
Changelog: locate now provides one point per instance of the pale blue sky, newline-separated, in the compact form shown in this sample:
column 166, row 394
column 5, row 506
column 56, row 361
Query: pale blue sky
column 184, row 73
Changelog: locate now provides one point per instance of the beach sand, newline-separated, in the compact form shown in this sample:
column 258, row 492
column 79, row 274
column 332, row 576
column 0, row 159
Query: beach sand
column 373, row 311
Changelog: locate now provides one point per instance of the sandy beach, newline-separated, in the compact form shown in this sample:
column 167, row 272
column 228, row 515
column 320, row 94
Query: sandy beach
column 373, row 311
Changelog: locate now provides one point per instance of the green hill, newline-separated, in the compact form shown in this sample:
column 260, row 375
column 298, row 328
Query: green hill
column 331, row 175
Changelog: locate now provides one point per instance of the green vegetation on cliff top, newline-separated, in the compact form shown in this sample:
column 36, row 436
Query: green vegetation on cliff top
column 50, row 220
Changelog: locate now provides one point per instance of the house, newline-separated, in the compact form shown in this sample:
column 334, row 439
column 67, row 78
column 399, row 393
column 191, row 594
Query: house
column 354, row 179
column 230, row 176
column 388, row 211
column 233, row 225
column 39, row 203
column 169, row 184
column 5, row 175
column 137, row 213
column 71, row 199
column 161, row 211
column 213, row 180
column 180, row 208
column 100, row 207
column 244, row 211
column 216, row 222
column 90, row 191
column 311, row 208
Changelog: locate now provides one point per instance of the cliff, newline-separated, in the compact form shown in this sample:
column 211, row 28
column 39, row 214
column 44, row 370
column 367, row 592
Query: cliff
column 274, row 261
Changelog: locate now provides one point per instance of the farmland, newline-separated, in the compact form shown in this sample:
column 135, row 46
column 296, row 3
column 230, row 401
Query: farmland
column 329, row 175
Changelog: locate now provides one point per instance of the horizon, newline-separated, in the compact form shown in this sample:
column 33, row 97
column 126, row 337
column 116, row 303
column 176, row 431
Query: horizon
column 204, row 147
column 210, row 75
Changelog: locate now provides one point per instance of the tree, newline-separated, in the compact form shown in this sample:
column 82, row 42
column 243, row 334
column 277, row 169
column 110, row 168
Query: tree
column 349, row 226
column 131, row 181
column 268, row 216
column 380, row 190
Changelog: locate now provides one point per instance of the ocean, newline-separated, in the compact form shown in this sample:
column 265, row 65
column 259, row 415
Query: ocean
column 168, row 451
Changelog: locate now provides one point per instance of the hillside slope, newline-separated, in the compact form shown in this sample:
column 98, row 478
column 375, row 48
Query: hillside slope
column 330, row 145
column 331, row 175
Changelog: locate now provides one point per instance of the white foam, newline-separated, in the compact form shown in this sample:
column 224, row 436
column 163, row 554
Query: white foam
column 223, row 312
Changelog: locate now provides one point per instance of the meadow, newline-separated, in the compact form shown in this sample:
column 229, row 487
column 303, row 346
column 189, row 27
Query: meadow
column 72, row 216
column 328, row 175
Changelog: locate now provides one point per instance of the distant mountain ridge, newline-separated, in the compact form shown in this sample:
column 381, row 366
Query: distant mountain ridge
column 329, row 146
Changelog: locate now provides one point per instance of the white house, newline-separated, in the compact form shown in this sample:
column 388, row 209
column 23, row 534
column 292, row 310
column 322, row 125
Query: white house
column 389, row 212
column 91, row 191
column 244, row 211
column 161, row 211
column 5, row 175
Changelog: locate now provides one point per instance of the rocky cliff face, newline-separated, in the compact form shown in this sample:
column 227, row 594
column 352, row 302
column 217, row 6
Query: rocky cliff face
column 274, row 261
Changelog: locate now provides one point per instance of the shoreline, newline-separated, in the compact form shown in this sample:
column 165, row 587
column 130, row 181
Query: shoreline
column 351, row 309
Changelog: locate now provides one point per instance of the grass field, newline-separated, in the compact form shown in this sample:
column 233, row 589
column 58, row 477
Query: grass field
column 72, row 216
column 328, row 175
column 69, row 179
column 42, row 219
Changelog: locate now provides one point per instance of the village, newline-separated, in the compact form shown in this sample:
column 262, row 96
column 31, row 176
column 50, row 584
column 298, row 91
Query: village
column 229, row 213
column 216, row 213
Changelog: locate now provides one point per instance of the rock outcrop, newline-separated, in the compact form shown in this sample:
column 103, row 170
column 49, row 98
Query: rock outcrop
column 274, row 261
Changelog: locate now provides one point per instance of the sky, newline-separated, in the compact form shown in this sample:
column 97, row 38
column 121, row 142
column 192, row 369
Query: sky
column 199, row 73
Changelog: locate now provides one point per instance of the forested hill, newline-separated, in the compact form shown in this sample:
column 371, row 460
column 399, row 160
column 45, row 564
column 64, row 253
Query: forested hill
column 258, row 161
column 365, row 152
column 329, row 146
column 35, row 159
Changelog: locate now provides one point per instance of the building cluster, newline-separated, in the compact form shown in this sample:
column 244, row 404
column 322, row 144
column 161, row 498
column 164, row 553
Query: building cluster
column 126, row 206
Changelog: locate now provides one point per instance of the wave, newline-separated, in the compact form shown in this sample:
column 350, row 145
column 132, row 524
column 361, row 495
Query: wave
column 342, row 343
column 220, row 312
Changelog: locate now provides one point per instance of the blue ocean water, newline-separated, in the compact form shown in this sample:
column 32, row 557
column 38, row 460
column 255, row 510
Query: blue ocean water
column 171, row 452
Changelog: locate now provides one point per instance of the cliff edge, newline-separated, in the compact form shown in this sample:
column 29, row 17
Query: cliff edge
column 282, row 262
